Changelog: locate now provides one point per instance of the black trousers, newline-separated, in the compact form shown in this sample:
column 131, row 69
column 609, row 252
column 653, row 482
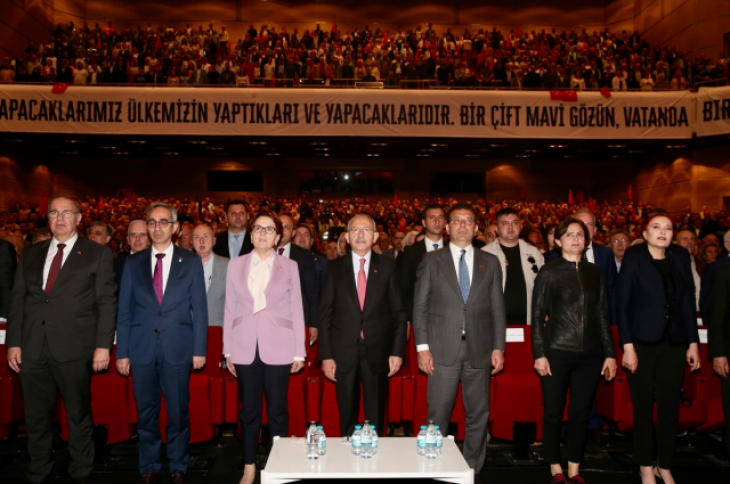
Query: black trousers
column 41, row 381
column 375, row 394
column 661, row 364
column 578, row 372
column 253, row 380
column 726, row 410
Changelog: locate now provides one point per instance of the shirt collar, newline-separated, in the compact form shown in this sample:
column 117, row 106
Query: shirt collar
column 257, row 259
column 69, row 243
column 456, row 251
column 242, row 235
column 429, row 243
column 170, row 249
column 356, row 258
column 209, row 262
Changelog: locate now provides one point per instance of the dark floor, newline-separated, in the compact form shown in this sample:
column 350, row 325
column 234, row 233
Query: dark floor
column 219, row 462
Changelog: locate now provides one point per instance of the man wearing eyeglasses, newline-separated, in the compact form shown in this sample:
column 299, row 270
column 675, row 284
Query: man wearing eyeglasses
column 520, row 263
column 162, row 334
column 215, row 271
column 362, row 326
column 60, row 329
column 618, row 241
column 459, row 329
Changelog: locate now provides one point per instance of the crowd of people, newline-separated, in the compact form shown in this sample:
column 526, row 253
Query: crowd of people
column 459, row 272
column 176, row 55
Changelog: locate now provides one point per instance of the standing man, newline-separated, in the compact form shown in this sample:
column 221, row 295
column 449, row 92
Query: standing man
column 304, row 238
column 185, row 237
column 687, row 239
column 235, row 241
column 434, row 219
column 397, row 249
column 520, row 263
column 60, row 328
column 215, row 271
column 719, row 336
column 8, row 263
column 618, row 241
column 163, row 291
column 706, row 284
column 460, row 329
column 99, row 232
column 307, row 275
column 363, row 326
column 138, row 241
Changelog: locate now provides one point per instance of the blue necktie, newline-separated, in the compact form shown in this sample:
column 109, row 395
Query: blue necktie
column 435, row 247
column 464, row 283
column 236, row 247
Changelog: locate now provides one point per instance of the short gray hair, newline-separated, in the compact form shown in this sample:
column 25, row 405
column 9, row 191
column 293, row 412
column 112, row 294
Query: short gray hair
column 585, row 210
column 137, row 221
column 375, row 227
column 726, row 237
column 158, row 204
column 107, row 228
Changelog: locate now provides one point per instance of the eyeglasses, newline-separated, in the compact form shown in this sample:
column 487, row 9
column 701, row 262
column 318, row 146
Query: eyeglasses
column 163, row 224
column 361, row 231
column 257, row 229
column 65, row 214
column 302, row 235
column 460, row 221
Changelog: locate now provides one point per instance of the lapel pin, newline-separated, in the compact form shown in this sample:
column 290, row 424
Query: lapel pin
column 481, row 267
column 375, row 271
column 79, row 252
column 180, row 259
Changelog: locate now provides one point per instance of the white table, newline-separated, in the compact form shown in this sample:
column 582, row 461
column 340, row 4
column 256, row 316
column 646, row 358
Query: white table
column 396, row 458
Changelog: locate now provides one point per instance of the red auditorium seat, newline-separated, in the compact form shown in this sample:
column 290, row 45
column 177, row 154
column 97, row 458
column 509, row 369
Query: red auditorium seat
column 712, row 392
column 11, row 403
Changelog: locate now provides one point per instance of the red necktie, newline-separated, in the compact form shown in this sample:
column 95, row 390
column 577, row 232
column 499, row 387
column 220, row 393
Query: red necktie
column 55, row 268
column 281, row 251
column 362, row 283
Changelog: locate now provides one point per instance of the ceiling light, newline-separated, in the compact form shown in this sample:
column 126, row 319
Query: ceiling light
column 617, row 146
column 136, row 142
column 346, row 177
column 522, row 156
column 198, row 142
column 214, row 148
column 322, row 149
column 675, row 146
column 558, row 146
column 318, row 144
column 108, row 147
column 70, row 152
column 121, row 152
column 472, row 156
column 422, row 154
column 428, row 150
column 495, row 145
column 636, row 151
column 568, row 156
column 439, row 144
column 171, row 153
column 378, row 144
column 257, row 142
column 375, row 154
column 73, row 141
column 272, row 154
column 532, row 151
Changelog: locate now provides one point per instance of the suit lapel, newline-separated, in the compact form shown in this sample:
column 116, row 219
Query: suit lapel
column 276, row 270
column 446, row 261
column 37, row 265
column 72, row 262
column 374, row 278
column 479, row 276
column 178, row 256
column 146, row 265
column 349, row 276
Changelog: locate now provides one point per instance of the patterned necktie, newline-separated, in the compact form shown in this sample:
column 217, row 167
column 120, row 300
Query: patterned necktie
column 55, row 268
column 157, row 280
column 281, row 250
column 435, row 247
column 236, row 247
column 464, row 283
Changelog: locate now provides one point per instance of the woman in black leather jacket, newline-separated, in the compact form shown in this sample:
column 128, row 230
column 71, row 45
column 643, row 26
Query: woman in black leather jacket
column 572, row 344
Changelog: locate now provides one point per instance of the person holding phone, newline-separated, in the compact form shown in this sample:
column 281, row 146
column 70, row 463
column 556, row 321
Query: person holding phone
column 657, row 322
column 573, row 347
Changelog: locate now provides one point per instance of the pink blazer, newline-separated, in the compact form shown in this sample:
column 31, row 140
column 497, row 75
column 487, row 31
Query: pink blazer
column 279, row 329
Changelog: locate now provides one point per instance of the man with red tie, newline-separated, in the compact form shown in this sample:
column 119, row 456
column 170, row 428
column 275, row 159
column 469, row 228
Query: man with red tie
column 362, row 331
column 60, row 328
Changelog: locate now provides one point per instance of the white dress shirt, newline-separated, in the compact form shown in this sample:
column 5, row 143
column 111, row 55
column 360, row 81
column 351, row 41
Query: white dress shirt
column 231, row 243
column 53, row 250
column 456, row 255
column 590, row 256
column 429, row 244
column 287, row 251
column 166, row 263
column 208, row 271
column 356, row 264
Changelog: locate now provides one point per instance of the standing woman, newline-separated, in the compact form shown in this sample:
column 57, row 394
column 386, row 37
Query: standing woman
column 573, row 348
column 263, row 333
column 655, row 305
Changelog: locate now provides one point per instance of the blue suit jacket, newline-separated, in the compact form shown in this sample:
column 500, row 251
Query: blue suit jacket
column 182, row 317
column 607, row 262
column 706, row 285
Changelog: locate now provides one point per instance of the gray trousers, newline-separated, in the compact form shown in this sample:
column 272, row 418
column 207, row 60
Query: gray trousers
column 442, row 389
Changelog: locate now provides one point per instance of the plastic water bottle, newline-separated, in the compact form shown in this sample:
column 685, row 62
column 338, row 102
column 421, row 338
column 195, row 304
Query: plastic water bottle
column 312, row 441
column 421, row 441
column 374, row 444
column 367, row 442
column 430, row 441
column 439, row 441
column 357, row 440
column 322, row 441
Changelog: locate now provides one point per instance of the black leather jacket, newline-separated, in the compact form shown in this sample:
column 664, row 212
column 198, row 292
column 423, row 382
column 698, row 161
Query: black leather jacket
column 575, row 300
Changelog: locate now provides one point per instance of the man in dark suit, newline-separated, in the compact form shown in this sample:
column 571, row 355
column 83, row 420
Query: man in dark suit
column 459, row 327
column 8, row 263
column 138, row 241
column 706, row 284
column 719, row 336
column 307, row 275
column 162, row 332
column 397, row 249
column 235, row 241
column 362, row 326
column 304, row 237
column 60, row 328
column 434, row 220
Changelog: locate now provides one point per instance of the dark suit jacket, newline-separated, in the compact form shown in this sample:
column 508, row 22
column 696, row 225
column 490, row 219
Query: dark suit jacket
column 706, row 284
column 641, row 306
column 182, row 317
column 221, row 244
column 8, row 263
column 606, row 261
column 320, row 261
column 719, row 314
column 408, row 263
column 383, row 320
column 119, row 262
column 80, row 313
column 308, row 281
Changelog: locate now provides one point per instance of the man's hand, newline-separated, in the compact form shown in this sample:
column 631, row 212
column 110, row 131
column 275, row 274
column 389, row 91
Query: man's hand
column 313, row 333
column 425, row 362
column 101, row 360
column 630, row 361
column 198, row 362
column 329, row 367
column 395, row 362
column 14, row 358
column 123, row 366
column 497, row 361
column 297, row 366
column 231, row 368
column 693, row 357
column 542, row 366
column 720, row 365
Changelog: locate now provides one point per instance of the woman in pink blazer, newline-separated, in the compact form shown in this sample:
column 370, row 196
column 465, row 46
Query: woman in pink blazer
column 263, row 333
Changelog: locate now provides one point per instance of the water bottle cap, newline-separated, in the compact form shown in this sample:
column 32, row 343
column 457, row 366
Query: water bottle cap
column 319, row 427
column 423, row 427
column 358, row 427
column 436, row 427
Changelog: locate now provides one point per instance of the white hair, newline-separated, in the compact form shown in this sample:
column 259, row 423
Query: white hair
column 375, row 227
column 172, row 210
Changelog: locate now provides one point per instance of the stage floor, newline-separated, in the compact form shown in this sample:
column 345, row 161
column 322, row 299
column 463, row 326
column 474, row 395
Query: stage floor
column 220, row 462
